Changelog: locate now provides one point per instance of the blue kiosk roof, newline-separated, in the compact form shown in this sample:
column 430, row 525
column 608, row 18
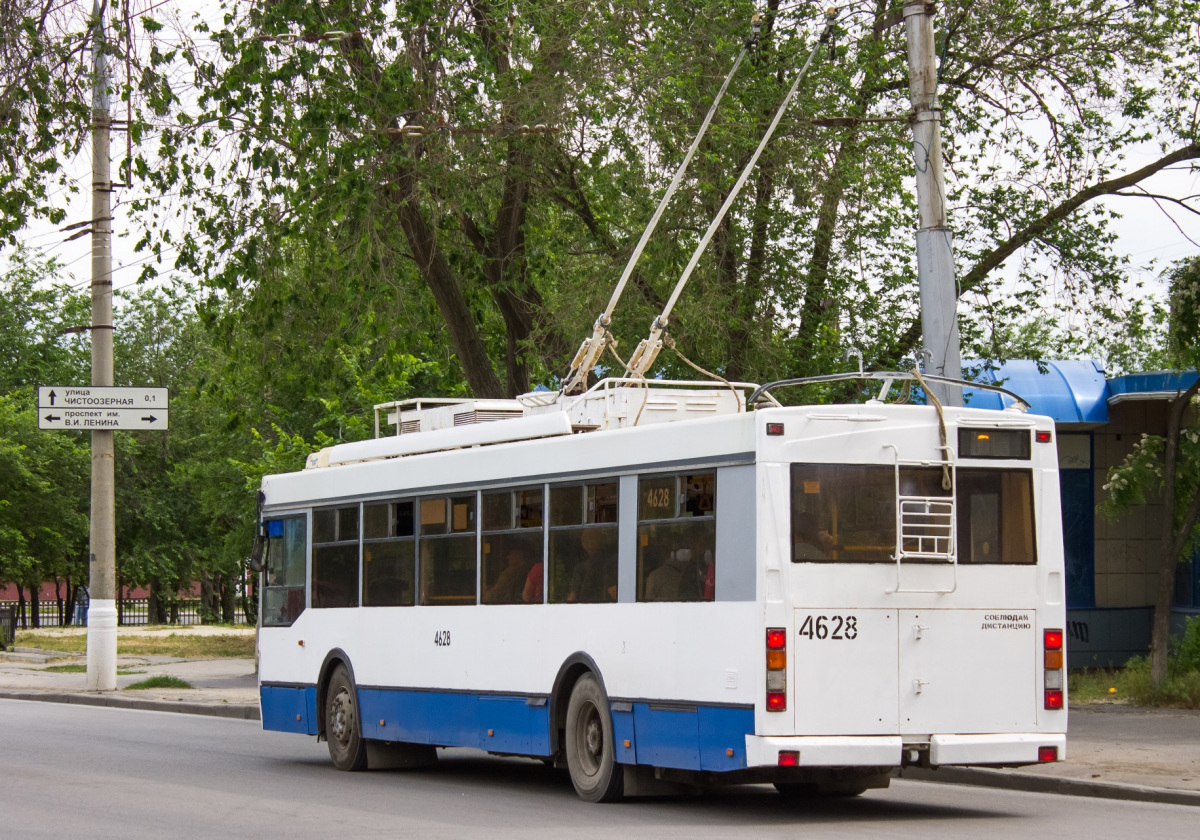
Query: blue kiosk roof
column 1069, row 391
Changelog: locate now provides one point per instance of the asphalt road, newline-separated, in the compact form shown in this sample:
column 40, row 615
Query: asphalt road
column 80, row 771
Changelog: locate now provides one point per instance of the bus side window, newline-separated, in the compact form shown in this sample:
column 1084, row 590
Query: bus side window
column 283, row 593
column 335, row 557
column 583, row 543
column 512, row 547
column 677, row 537
column 389, row 555
column 446, row 551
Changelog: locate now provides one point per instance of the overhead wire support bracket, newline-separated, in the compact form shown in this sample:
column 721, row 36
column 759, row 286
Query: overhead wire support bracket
column 592, row 348
column 647, row 351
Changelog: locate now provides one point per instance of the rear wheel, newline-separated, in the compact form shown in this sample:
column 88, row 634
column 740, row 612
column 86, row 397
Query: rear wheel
column 591, row 755
column 343, row 730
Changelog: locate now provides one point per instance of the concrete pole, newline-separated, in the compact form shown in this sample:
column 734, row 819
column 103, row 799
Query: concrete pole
column 102, row 610
column 935, row 245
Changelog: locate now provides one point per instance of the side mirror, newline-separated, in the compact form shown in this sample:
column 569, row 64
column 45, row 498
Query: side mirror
column 256, row 553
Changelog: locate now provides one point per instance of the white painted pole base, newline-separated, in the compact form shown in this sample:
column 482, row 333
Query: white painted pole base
column 102, row 645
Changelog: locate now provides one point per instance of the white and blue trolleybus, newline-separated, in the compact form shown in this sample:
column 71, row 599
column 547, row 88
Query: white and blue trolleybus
column 667, row 583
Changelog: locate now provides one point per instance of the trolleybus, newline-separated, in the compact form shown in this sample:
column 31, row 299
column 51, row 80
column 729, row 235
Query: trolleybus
column 668, row 583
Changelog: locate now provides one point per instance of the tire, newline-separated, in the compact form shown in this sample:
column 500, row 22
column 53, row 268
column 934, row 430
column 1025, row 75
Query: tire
column 343, row 729
column 591, row 753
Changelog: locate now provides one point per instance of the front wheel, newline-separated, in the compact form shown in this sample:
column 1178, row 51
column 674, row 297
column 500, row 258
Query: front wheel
column 591, row 755
column 343, row 731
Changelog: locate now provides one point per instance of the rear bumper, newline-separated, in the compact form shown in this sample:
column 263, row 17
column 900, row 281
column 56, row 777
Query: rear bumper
column 888, row 750
column 1009, row 748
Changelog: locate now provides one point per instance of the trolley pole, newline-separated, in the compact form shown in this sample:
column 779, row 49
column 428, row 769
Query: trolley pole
column 102, row 610
column 935, row 246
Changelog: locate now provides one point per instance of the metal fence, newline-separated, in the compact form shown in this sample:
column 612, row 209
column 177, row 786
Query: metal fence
column 130, row 612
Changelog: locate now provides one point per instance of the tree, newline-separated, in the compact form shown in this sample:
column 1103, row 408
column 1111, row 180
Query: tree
column 390, row 167
column 1169, row 465
column 44, row 105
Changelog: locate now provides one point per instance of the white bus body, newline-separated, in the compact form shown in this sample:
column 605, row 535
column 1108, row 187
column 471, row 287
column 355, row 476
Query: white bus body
column 945, row 657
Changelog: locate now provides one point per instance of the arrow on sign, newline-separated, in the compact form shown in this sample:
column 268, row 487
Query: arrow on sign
column 150, row 419
column 50, row 418
column 52, row 396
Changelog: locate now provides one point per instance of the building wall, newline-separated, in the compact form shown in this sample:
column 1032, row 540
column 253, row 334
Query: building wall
column 1126, row 549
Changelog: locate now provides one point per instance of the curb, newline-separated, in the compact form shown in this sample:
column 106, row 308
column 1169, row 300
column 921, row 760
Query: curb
column 233, row 710
column 1008, row 780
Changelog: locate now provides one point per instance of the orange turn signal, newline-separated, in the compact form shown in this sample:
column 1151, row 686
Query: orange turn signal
column 776, row 660
column 1054, row 660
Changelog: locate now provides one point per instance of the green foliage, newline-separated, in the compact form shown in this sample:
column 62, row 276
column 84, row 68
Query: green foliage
column 159, row 681
column 1132, row 684
column 378, row 179
column 44, row 106
column 1186, row 655
column 1184, row 330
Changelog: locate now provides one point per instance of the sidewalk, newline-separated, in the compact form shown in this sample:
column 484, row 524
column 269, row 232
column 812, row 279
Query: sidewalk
column 1113, row 751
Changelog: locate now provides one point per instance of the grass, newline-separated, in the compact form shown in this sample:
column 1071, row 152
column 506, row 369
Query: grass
column 1131, row 685
column 82, row 669
column 181, row 645
column 160, row 681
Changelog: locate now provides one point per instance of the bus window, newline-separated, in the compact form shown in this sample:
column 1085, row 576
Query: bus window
column 676, row 537
column 283, row 594
column 389, row 554
column 583, row 543
column 512, row 547
column 447, row 551
column 335, row 557
column 995, row 516
column 846, row 513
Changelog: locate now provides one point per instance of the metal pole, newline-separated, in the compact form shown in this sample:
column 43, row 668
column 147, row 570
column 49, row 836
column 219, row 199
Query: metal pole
column 935, row 245
column 102, row 610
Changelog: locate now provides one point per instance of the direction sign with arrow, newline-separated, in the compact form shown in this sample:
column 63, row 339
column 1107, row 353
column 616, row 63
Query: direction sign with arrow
column 84, row 408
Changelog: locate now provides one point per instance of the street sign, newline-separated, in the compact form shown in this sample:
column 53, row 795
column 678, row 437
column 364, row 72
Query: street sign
column 102, row 418
column 83, row 408
column 96, row 396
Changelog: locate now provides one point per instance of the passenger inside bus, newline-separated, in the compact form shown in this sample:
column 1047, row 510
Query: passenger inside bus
column 812, row 541
column 510, row 584
column 677, row 579
column 594, row 579
column 534, row 586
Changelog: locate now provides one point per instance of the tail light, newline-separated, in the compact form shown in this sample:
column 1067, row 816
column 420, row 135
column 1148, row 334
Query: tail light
column 1047, row 753
column 1053, row 662
column 776, row 669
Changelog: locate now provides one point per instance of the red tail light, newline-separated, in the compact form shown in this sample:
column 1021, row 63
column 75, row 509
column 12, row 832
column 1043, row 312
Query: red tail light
column 1047, row 753
column 776, row 669
column 789, row 758
column 1054, row 698
column 1053, row 639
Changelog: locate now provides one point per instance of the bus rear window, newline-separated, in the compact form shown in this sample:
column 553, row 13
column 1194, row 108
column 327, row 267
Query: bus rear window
column 995, row 516
column 846, row 513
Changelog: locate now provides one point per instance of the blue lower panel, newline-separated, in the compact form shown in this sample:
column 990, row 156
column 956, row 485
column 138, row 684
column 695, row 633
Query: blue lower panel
column 289, row 709
column 689, row 737
column 495, row 722
column 685, row 737
column 723, row 730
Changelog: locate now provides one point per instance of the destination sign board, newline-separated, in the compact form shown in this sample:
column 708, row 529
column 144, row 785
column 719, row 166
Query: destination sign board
column 85, row 408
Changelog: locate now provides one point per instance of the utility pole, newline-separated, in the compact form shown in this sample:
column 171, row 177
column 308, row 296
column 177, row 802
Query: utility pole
column 935, row 246
column 102, row 610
